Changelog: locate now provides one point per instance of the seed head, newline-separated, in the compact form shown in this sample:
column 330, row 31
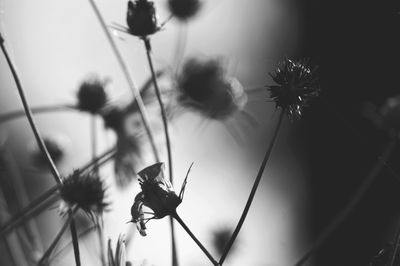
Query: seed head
column 141, row 18
column 297, row 85
column 92, row 96
column 184, row 9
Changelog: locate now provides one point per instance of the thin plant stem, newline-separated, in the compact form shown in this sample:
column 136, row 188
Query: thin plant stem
column 20, row 216
column 29, row 115
column 351, row 205
column 36, row 206
column 180, row 46
column 37, row 110
column 186, row 228
column 167, row 141
column 128, row 77
column 396, row 248
column 53, row 244
column 93, row 132
column 75, row 241
column 253, row 190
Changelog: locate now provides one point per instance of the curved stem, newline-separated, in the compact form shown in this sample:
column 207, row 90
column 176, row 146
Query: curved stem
column 186, row 228
column 37, row 110
column 396, row 248
column 167, row 141
column 36, row 206
column 29, row 116
column 253, row 190
column 351, row 205
column 94, row 142
column 129, row 79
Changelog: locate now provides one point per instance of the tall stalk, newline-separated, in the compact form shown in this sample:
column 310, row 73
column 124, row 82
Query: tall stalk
column 351, row 205
column 167, row 140
column 29, row 115
column 253, row 190
column 129, row 79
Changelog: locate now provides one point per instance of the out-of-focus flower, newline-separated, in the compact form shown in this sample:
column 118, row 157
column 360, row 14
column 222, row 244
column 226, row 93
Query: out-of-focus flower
column 119, row 257
column 297, row 86
column 157, row 194
column 56, row 146
column 220, row 238
column 184, row 9
column 386, row 117
column 128, row 153
column 92, row 96
column 390, row 113
column 141, row 18
column 85, row 191
column 205, row 87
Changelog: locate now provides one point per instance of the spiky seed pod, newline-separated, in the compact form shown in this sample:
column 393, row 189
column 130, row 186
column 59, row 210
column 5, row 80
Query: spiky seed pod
column 184, row 9
column 114, row 118
column 86, row 191
column 92, row 96
column 141, row 18
column 204, row 86
column 157, row 194
column 297, row 86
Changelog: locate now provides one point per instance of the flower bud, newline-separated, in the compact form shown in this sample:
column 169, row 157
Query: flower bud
column 141, row 18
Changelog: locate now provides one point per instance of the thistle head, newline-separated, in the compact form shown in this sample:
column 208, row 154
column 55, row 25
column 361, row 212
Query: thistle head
column 297, row 85
column 85, row 191
column 141, row 18
column 184, row 9
column 114, row 118
column 157, row 194
column 92, row 96
column 205, row 87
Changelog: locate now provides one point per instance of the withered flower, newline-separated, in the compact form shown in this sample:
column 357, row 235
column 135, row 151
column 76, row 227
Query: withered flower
column 184, row 9
column 85, row 191
column 157, row 194
column 297, row 86
column 141, row 18
column 92, row 96
column 204, row 86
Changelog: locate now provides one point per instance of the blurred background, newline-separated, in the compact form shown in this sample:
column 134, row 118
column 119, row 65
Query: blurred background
column 56, row 44
column 316, row 164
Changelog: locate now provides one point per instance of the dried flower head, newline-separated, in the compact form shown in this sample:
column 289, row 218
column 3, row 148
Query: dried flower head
column 119, row 257
column 92, row 96
column 205, row 87
column 184, row 9
column 157, row 194
column 114, row 118
column 56, row 147
column 141, row 18
column 297, row 86
column 85, row 191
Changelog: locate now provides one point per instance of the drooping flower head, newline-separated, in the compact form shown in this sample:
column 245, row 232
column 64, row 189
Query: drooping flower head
column 85, row 191
column 157, row 194
column 205, row 87
column 297, row 85
column 184, row 9
column 141, row 18
column 92, row 96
